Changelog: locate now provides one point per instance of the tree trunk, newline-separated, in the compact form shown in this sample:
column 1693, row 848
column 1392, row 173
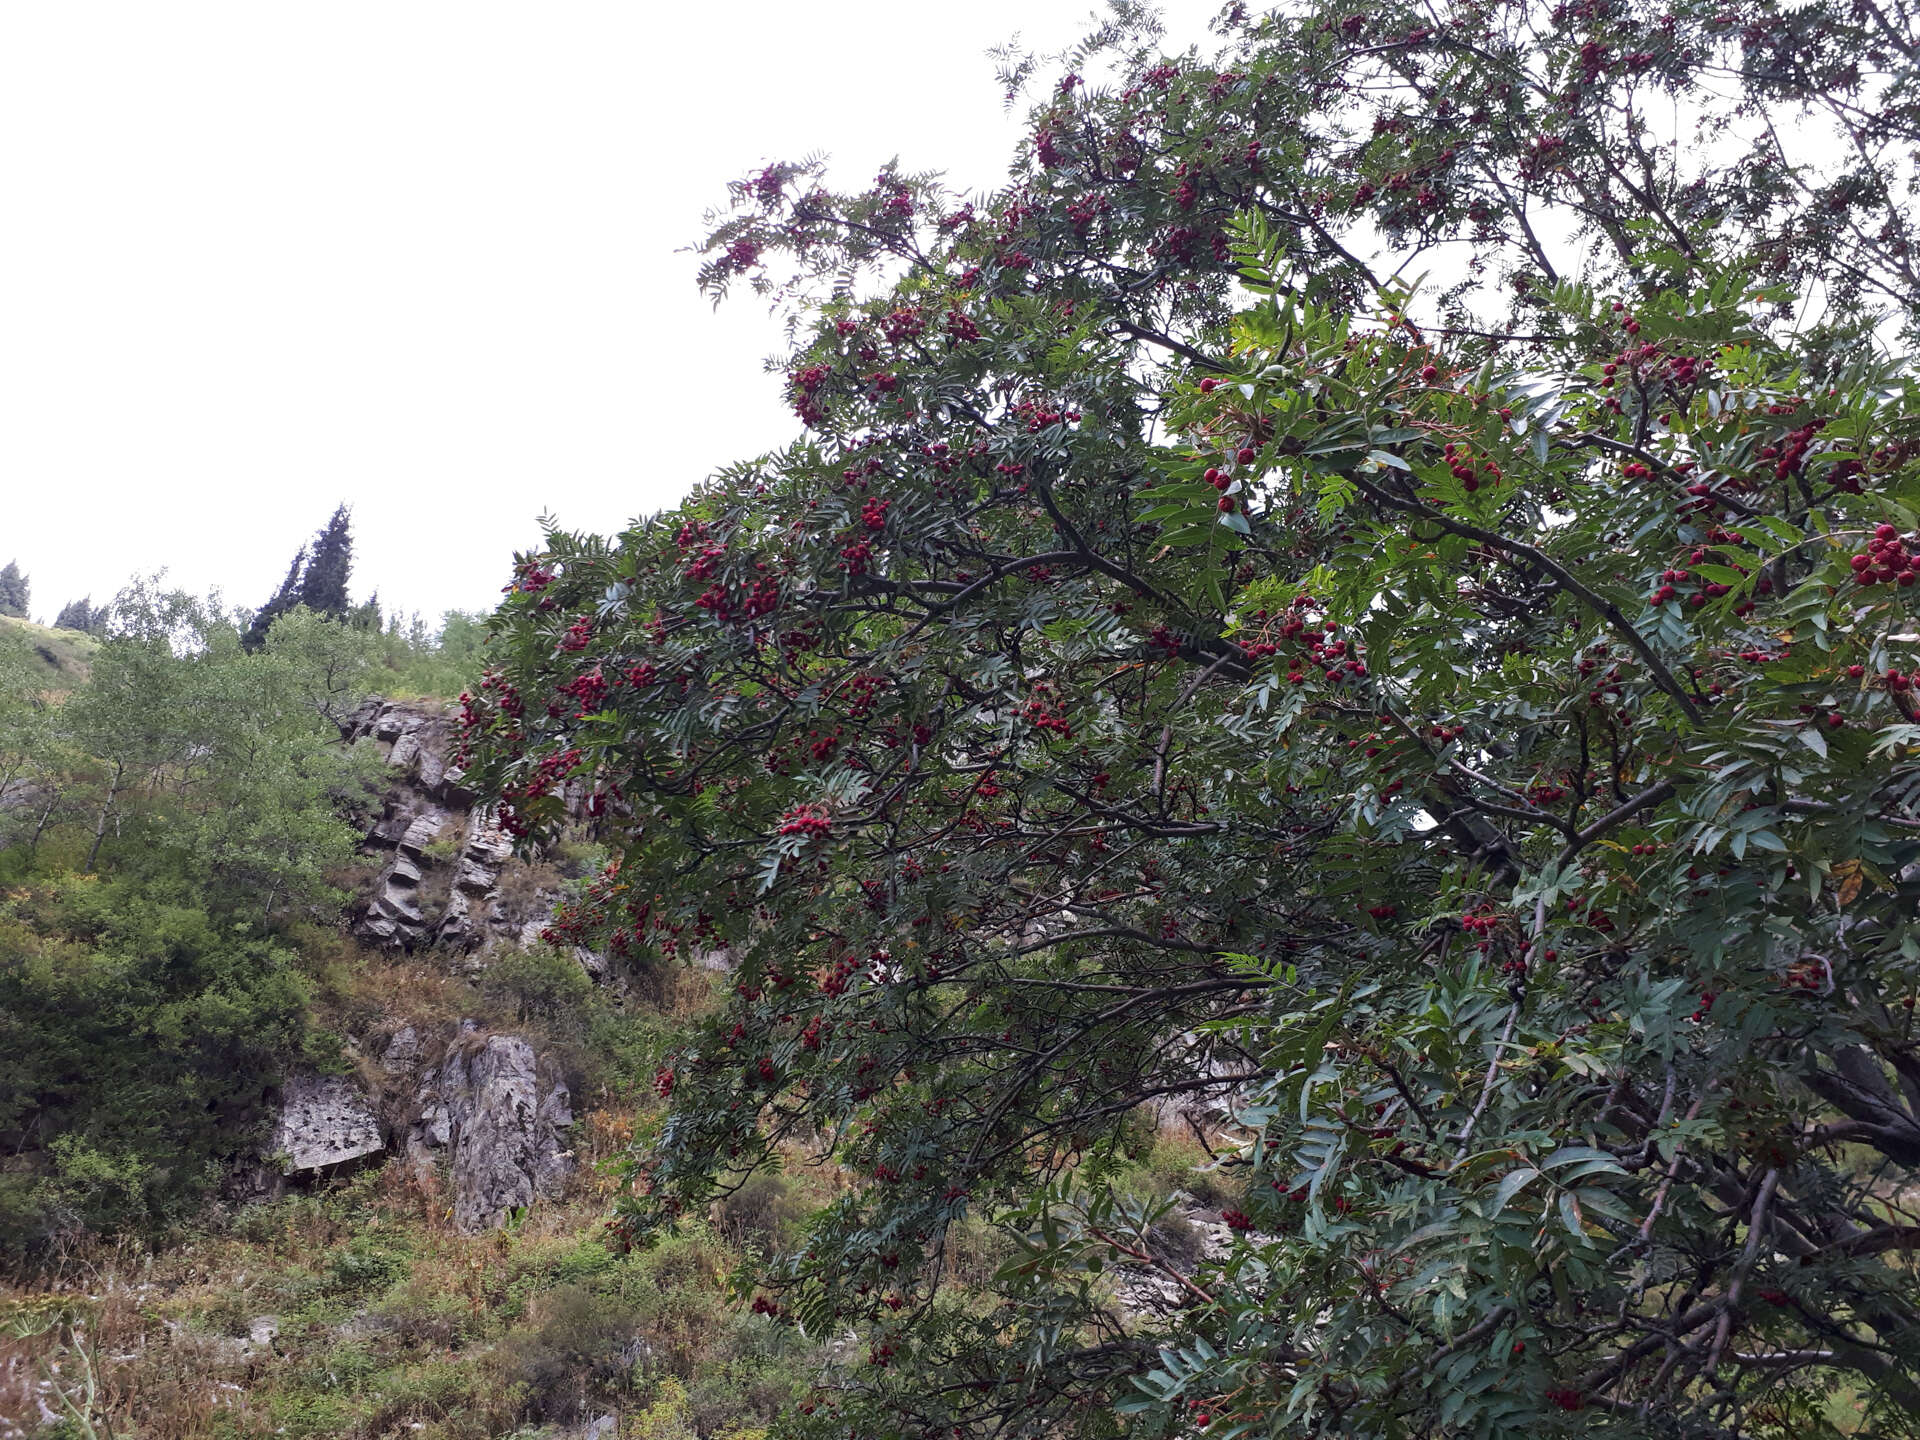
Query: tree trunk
column 53, row 798
column 106, row 812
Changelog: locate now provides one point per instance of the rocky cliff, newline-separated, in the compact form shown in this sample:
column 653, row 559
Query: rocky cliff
column 482, row 1109
column 450, row 881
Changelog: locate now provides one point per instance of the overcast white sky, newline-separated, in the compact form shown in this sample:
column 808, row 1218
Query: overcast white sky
column 260, row 258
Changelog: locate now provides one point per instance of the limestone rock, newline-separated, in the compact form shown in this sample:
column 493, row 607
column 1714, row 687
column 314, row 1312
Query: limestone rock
column 405, row 754
column 325, row 1122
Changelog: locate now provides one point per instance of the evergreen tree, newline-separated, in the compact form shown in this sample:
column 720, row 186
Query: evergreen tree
column 324, row 590
column 14, row 591
column 366, row 615
column 284, row 599
column 80, row 615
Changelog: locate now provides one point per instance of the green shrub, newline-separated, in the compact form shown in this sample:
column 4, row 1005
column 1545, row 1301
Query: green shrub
column 762, row 1368
column 764, row 1214
column 143, row 1033
column 576, row 1347
column 365, row 1268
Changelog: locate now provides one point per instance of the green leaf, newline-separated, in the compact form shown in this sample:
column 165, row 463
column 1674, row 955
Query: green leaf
column 1510, row 1185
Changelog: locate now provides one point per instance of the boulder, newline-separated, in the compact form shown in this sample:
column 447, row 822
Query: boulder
column 325, row 1124
column 405, row 755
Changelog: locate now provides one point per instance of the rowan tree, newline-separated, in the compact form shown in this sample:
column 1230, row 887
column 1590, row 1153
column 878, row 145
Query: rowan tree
column 1461, row 749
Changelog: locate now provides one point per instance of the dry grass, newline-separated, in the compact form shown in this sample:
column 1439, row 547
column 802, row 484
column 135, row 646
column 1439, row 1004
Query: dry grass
column 361, row 989
column 388, row 1322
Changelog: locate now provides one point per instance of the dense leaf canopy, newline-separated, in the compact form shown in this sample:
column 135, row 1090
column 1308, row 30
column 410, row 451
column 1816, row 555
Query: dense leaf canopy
column 1460, row 751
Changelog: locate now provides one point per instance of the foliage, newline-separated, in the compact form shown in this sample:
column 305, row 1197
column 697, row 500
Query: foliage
column 163, row 824
column 136, row 1035
column 415, row 659
column 218, row 766
column 16, row 592
column 1468, row 746
column 539, row 984
column 83, row 615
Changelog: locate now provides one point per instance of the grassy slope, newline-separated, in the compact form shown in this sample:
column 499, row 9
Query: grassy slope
column 66, row 654
column 353, row 1311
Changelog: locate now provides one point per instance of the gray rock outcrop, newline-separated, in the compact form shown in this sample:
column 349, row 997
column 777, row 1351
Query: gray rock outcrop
column 500, row 1129
column 442, row 886
column 483, row 1110
column 325, row 1123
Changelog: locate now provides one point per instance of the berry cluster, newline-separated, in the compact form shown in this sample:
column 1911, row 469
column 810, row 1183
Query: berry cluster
column 532, row 578
column 1470, row 470
column 836, row 980
column 1482, row 922
column 809, row 821
column 902, row 324
column 1045, row 712
column 1886, row 560
column 1038, row 415
column 803, row 392
column 705, row 563
column 1791, row 453
column 588, row 688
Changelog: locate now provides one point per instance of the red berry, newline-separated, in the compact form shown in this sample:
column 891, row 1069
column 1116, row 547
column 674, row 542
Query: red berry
column 1226, row 504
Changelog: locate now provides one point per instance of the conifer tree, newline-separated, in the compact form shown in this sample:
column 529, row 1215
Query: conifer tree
column 284, row 599
column 324, row 588
column 14, row 591
column 79, row 615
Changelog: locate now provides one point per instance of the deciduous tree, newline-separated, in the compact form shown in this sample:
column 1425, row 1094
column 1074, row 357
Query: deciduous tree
column 1462, row 749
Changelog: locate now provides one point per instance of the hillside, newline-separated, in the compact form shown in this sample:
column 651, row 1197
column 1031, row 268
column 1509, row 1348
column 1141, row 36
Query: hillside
column 426, row 1253
column 65, row 655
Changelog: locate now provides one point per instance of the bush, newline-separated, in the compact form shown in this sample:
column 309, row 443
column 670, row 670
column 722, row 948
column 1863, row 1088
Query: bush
column 365, row 1267
column 578, row 1345
column 540, row 984
column 143, row 1034
column 765, row 1213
